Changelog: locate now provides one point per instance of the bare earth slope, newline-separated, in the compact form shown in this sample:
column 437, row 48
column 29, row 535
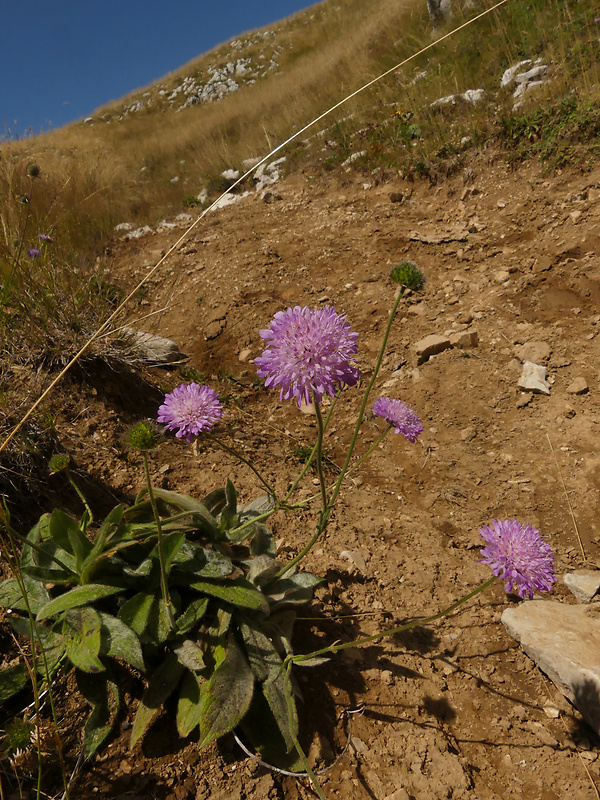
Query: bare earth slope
column 455, row 710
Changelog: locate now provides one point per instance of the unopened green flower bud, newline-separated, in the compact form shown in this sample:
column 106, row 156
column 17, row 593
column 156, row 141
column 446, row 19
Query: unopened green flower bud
column 58, row 463
column 144, row 436
column 33, row 170
column 23, row 199
column 408, row 274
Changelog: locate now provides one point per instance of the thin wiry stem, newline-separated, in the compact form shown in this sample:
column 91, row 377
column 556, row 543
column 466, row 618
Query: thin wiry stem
column 201, row 216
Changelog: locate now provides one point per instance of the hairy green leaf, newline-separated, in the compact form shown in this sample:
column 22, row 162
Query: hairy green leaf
column 146, row 615
column 79, row 596
column 261, row 652
column 120, row 641
column 226, row 696
column 189, row 706
column 102, row 693
column 279, row 694
column 12, row 680
column 162, row 683
column 11, row 595
column 192, row 615
column 82, row 636
column 238, row 592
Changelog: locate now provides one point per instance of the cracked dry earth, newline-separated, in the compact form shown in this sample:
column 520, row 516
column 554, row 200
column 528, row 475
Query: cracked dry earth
column 455, row 709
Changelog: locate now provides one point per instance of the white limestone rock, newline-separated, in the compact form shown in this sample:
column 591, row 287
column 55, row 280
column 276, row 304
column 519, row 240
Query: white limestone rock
column 583, row 583
column 533, row 379
column 564, row 641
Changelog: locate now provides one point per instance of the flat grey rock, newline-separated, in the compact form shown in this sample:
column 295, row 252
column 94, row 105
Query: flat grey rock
column 564, row 641
column 533, row 379
column 584, row 583
column 154, row 349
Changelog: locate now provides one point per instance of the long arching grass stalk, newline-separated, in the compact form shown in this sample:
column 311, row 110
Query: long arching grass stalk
column 106, row 325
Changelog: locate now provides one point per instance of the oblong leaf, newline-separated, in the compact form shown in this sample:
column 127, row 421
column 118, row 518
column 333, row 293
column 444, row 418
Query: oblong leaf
column 226, row 696
column 79, row 596
column 102, row 693
column 238, row 592
column 82, row 637
column 163, row 682
column 279, row 694
column 12, row 680
column 11, row 595
column 120, row 641
column 189, row 707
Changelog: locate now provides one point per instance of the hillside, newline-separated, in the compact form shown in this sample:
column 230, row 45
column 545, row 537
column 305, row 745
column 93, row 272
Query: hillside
column 498, row 206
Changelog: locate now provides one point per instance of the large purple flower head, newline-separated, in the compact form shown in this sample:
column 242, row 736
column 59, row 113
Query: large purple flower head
column 311, row 352
column 401, row 416
column 518, row 554
column 190, row 409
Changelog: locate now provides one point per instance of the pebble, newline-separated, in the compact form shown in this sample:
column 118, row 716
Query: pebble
column 533, row 379
column 583, row 583
column 430, row 346
column 578, row 386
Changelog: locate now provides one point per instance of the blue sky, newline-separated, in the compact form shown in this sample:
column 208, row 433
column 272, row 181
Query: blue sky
column 61, row 59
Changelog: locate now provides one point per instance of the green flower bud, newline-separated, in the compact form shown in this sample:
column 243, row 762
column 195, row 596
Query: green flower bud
column 58, row 463
column 144, row 436
column 33, row 170
column 408, row 274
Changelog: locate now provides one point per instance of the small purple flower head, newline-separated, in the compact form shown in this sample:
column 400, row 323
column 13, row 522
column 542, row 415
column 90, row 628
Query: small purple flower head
column 33, row 252
column 190, row 409
column 518, row 554
column 45, row 238
column 310, row 352
column 401, row 416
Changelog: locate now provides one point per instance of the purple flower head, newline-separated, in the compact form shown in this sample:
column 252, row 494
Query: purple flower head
column 190, row 409
column 401, row 416
column 518, row 554
column 310, row 352
column 45, row 238
column 33, row 252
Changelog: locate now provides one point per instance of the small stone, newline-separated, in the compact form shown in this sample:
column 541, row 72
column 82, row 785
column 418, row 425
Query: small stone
column 575, row 215
column 542, row 733
column 552, row 712
column 583, row 583
column 568, row 411
column 387, row 677
column 533, row 379
column 464, row 339
column 538, row 352
column 153, row 349
column 468, row 433
column 396, row 197
column 578, row 386
column 523, row 400
column 245, row 355
column 430, row 346
column 356, row 558
column 501, row 276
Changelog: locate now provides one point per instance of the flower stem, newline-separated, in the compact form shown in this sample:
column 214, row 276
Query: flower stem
column 365, row 399
column 321, row 431
column 325, row 514
column 412, row 624
column 232, row 451
column 161, row 553
column 313, row 453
